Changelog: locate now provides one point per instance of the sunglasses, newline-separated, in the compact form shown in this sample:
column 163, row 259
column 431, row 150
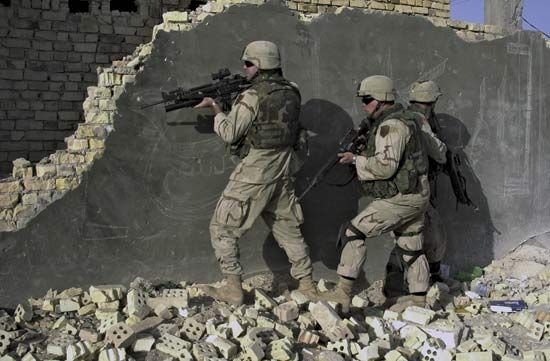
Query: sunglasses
column 248, row 64
column 367, row 100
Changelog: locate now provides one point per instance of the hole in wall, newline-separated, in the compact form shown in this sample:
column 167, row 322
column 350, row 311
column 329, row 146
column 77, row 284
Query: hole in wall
column 194, row 4
column 5, row 2
column 79, row 6
column 129, row 6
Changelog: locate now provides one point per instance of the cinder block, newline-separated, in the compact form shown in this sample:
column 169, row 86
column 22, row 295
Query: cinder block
column 308, row 337
column 80, row 351
column 68, row 305
column 359, row 302
column 434, row 350
column 170, row 298
column 224, row 346
column 342, row 347
column 254, row 352
column 112, row 354
column 172, row 345
column 109, row 322
column 106, row 293
column 287, row 311
column 204, row 350
column 143, row 343
column 369, row 353
column 193, row 329
column 4, row 341
column 120, row 335
column 262, row 300
column 474, row 356
column 58, row 345
column 137, row 303
column 23, row 312
column 89, row 335
column 147, row 324
column 419, row 315
column 394, row 355
column 493, row 344
column 280, row 350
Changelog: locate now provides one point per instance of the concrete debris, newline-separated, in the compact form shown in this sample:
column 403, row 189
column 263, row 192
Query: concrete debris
column 177, row 321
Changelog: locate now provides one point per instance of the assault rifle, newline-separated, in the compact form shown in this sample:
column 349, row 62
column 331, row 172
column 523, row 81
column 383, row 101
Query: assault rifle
column 452, row 167
column 352, row 142
column 223, row 89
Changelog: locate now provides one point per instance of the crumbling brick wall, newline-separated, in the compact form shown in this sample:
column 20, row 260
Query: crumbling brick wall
column 49, row 53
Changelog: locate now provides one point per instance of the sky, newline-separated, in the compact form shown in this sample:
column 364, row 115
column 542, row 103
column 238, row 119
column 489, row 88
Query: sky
column 536, row 12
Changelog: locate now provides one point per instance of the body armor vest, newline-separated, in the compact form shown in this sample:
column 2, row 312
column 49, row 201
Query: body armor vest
column 276, row 125
column 413, row 162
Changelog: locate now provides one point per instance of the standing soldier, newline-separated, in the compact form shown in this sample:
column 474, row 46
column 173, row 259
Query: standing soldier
column 422, row 98
column 262, row 129
column 393, row 169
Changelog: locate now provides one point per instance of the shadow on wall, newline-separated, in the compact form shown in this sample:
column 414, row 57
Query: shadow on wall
column 470, row 231
column 327, row 205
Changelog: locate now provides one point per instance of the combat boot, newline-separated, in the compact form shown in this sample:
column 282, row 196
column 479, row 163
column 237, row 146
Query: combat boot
column 308, row 288
column 231, row 293
column 401, row 303
column 340, row 294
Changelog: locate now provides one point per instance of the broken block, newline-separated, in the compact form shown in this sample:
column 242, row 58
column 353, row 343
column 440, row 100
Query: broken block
column 254, row 352
column 109, row 322
column 224, row 346
column 342, row 347
column 87, row 309
column 394, row 355
column 193, row 329
column 68, row 305
column 474, row 356
column 204, row 350
column 88, row 335
column 536, row 331
column 143, row 343
column 493, row 344
column 359, row 302
column 120, row 335
column 163, row 312
column 262, row 300
column 106, row 293
column 308, row 337
column 280, row 350
column 414, row 337
column 7, row 323
column 58, row 345
column 147, row 324
column 287, row 311
column 23, row 312
column 419, row 315
column 80, row 351
column 299, row 298
column 4, row 341
column 369, row 353
column 173, row 346
column 112, row 354
column 137, row 304
column 434, row 350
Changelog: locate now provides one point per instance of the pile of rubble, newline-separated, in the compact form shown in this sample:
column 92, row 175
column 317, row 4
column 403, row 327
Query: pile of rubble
column 499, row 316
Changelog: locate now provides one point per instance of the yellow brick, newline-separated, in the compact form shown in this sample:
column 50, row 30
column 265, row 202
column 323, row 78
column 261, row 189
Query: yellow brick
column 358, row 3
column 340, row 2
column 97, row 143
column 66, row 183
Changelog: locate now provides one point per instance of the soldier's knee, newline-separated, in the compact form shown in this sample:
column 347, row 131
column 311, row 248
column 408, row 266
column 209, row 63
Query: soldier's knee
column 349, row 233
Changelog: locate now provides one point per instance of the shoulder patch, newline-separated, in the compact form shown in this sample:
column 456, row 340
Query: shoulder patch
column 384, row 130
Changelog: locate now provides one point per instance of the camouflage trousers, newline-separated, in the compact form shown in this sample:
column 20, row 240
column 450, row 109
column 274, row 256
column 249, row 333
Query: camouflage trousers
column 237, row 209
column 402, row 214
column 435, row 237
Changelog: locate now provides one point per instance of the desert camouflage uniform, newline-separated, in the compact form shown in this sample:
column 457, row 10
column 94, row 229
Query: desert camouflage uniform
column 401, row 213
column 435, row 237
column 262, row 183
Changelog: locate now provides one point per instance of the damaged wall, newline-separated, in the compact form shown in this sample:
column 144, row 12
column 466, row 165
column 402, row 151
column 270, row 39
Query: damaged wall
column 144, row 207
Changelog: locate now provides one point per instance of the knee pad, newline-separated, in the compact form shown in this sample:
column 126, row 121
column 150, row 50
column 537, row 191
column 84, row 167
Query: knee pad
column 343, row 239
column 405, row 265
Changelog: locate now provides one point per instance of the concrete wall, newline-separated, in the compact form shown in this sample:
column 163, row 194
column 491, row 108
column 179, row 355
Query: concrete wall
column 144, row 207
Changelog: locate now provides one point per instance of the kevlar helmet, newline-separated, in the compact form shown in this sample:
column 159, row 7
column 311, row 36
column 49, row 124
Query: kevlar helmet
column 264, row 54
column 378, row 87
column 424, row 92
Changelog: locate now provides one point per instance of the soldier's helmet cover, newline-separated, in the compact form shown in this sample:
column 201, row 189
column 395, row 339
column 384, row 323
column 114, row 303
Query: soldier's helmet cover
column 378, row 87
column 264, row 54
column 424, row 92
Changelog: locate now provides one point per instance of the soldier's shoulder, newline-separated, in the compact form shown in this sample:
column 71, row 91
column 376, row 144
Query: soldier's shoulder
column 393, row 125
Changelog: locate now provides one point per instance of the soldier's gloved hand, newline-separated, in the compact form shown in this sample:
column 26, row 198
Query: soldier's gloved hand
column 206, row 102
column 346, row 158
